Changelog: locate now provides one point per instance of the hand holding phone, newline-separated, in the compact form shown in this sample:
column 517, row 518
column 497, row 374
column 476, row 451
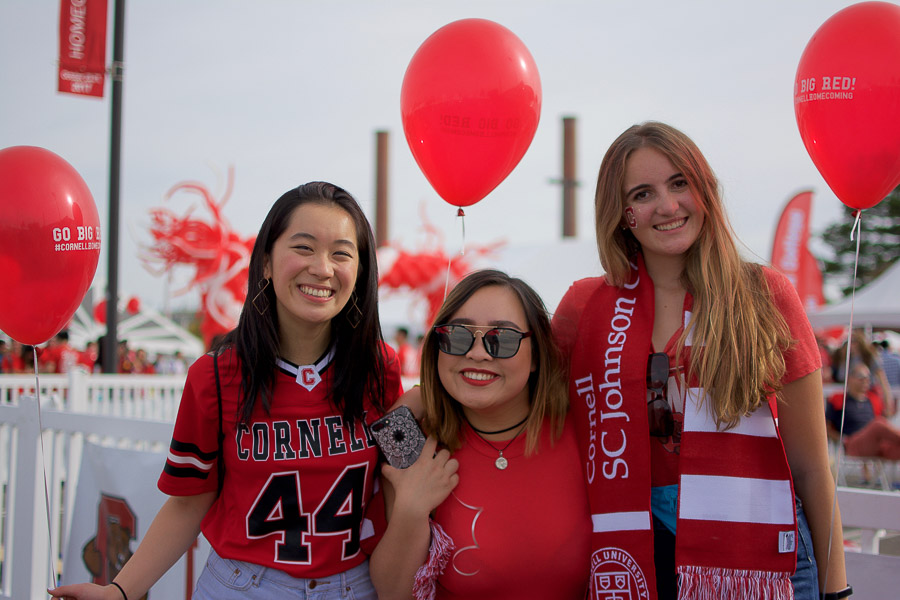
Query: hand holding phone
column 399, row 437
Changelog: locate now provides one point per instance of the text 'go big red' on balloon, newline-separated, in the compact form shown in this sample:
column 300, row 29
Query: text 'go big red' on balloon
column 84, row 238
column 64, row 234
column 837, row 87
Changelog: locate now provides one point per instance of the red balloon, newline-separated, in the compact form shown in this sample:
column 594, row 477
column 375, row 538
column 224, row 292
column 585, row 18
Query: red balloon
column 49, row 243
column 134, row 305
column 470, row 104
column 847, row 102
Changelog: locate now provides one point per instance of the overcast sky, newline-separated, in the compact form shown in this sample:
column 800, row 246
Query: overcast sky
column 288, row 91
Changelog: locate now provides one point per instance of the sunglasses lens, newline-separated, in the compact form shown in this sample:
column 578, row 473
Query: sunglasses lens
column 453, row 339
column 659, row 414
column 660, row 418
column 502, row 343
column 657, row 370
column 457, row 340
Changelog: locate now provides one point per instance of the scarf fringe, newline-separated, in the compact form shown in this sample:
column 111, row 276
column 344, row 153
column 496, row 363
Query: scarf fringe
column 707, row 583
column 442, row 545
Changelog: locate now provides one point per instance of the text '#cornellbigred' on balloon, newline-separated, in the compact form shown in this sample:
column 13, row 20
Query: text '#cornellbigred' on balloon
column 470, row 104
column 847, row 102
column 49, row 243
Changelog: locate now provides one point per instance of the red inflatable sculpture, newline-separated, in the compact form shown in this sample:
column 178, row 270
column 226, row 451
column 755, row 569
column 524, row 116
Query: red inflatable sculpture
column 219, row 257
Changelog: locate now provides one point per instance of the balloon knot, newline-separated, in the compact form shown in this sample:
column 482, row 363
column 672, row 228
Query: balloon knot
column 460, row 213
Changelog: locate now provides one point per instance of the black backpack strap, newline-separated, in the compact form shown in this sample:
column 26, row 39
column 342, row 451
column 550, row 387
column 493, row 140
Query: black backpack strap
column 220, row 459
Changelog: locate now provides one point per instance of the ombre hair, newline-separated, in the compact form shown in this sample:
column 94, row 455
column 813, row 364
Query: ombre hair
column 734, row 317
column 546, row 385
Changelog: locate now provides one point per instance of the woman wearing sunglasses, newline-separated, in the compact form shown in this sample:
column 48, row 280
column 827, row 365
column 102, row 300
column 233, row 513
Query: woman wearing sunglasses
column 516, row 523
column 679, row 358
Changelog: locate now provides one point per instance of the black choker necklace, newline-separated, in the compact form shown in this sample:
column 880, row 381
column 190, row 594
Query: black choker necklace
column 499, row 430
column 501, row 462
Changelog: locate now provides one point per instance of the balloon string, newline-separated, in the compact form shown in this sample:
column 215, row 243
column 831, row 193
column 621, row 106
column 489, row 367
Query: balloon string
column 855, row 231
column 461, row 215
column 37, row 387
column 856, row 228
column 447, row 278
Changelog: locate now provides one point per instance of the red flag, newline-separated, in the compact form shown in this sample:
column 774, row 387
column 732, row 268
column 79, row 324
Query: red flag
column 82, row 47
column 809, row 284
column 790, row 253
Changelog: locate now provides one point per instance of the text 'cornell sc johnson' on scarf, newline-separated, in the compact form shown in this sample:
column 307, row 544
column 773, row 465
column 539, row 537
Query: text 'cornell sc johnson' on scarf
column 611, row 388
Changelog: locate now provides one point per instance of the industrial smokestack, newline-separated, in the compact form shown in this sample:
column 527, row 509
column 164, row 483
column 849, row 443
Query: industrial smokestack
column 381, row 188
column 569, row 180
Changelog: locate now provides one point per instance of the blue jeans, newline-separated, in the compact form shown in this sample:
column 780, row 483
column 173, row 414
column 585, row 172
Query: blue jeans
column 226, row 579
column 806, row 578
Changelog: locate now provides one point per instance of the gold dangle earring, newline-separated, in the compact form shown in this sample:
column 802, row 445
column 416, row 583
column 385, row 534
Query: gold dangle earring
column 354, row 314
column 261, row 297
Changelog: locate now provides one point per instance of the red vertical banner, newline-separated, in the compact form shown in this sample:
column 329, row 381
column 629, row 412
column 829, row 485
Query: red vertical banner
column 809, row 285
column 791, row 255
column 82, row 47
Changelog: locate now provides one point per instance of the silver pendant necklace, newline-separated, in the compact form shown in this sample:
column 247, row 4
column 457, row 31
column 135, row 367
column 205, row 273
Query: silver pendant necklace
column 501, row 462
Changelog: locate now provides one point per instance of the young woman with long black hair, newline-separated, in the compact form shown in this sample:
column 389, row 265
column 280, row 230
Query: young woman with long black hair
column 270, row 457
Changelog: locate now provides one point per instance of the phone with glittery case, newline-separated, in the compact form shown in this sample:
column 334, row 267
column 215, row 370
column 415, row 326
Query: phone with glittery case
column 399, row 437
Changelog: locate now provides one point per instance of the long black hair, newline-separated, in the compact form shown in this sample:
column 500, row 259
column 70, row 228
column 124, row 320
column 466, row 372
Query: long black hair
column 358, row 362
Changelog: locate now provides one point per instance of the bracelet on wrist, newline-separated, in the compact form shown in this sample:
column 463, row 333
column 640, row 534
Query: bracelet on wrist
column 124, row 595
column 847, row 591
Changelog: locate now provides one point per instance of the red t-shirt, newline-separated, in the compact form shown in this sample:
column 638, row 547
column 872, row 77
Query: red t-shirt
column 523, row 532
column 297, row 481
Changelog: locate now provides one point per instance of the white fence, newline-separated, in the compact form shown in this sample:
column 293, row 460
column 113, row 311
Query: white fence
column 875, row 513
column 138, row 412
column 127, row 411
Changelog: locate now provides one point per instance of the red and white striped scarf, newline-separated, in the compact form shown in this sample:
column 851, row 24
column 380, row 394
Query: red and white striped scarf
column 736, row 530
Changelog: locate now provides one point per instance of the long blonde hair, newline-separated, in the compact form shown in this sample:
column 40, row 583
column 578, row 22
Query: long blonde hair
column 734, row 317
column 546, row 385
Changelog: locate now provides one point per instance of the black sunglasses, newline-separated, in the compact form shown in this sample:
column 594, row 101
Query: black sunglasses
column 499, row 342
column 659, row 413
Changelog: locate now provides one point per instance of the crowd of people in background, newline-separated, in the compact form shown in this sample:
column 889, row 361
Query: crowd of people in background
column 864, row 415
column 59, row 356
column 873, row 351
column 409, row 355
column 867, row 429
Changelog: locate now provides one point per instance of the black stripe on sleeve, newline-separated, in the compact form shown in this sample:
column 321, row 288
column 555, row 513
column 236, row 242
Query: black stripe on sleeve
column 187, row 448
column 174, row 471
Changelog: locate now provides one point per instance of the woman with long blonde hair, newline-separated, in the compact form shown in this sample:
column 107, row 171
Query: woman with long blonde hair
column 681, row 357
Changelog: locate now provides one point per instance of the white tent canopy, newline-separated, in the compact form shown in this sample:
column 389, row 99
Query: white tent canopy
column 146, row 329
column 876, row 305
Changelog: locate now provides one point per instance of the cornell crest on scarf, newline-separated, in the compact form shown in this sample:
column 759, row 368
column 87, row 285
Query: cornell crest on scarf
column 615, row 575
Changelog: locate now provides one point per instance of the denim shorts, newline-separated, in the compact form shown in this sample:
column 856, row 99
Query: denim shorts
column 226, row 579
column 806, row 579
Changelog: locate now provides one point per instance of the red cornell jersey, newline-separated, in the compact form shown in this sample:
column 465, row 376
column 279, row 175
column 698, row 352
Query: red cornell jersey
column 296, row 482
